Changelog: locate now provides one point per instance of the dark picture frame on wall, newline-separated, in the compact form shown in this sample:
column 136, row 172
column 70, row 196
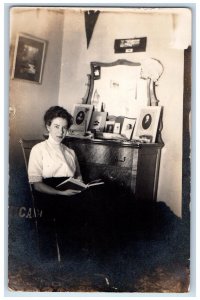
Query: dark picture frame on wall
column 29, row 58
column 130, row 45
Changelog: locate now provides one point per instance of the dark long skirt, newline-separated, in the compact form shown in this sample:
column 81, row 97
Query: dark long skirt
column 71, row 224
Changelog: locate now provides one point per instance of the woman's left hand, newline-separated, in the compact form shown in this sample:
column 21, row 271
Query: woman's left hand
column 69, row 192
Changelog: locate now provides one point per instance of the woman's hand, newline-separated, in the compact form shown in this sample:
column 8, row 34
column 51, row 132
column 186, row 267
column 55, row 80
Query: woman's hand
column 69, row 192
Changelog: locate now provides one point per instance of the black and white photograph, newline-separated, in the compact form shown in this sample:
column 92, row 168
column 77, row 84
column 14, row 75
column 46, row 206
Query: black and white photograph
column 129, row 233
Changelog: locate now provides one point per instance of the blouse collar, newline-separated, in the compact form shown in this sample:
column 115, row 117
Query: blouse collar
column 52, row 141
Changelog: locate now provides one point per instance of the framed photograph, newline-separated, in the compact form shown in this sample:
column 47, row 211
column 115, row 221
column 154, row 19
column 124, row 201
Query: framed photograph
column 130, row 45
column 81, row 117
column 29, row 58
column 109, row 127
column 147, row 123
column 98, row 121
column 128, row 127
column 117, row 127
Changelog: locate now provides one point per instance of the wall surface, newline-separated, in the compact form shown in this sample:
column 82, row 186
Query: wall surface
column 165, row 42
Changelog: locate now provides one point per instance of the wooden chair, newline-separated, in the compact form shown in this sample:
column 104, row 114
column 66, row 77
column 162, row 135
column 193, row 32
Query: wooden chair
column 26, row 146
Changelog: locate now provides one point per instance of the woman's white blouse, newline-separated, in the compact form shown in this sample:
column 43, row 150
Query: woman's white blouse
column 51, row 159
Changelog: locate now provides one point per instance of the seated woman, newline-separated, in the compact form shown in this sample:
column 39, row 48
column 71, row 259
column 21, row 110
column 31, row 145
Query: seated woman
column 51, row 158
column 80, row 216
column 50, row 163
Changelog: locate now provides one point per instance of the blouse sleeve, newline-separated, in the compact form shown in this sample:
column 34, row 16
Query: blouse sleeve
column 35, row 165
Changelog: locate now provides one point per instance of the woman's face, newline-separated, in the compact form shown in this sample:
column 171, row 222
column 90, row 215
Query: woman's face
column 58, row 129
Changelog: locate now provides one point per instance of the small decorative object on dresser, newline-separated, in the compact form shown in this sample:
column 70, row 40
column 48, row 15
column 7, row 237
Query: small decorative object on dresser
column 81, row 117
column 127, row 128
column 97, row 72
column 96, row 101
column 28, row 58
column 98, row 121
column 147, row 123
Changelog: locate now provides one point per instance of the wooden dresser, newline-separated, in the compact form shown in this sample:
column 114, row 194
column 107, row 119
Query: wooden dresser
column 134, row 168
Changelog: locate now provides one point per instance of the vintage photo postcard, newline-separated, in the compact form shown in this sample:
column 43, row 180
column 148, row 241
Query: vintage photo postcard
column 132, row 233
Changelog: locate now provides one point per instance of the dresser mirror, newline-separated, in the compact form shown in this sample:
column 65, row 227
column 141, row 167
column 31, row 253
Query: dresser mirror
column 122, row 87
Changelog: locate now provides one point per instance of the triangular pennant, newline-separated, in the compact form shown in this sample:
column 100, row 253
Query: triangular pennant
column 90, row 21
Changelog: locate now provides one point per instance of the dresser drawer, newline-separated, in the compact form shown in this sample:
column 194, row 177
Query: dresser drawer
column 104, row 154
column 117, row 176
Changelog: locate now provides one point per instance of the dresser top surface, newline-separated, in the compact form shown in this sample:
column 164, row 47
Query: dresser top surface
column 116, row 143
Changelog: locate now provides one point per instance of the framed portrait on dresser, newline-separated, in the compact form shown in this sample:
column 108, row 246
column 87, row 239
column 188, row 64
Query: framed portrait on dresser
column 128, row 127
column 81, row 117
column 147, row 123
column 98, row 121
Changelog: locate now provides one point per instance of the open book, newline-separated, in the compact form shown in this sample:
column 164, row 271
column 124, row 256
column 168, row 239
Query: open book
column 75, row 184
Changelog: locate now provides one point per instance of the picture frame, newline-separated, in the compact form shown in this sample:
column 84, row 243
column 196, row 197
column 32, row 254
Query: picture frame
column 130, row 45
column 147, row 124
column 128, row 127
column 117, row 127
column 29, row 55
column 81, row 117
column 98, row 121
column 109, row 127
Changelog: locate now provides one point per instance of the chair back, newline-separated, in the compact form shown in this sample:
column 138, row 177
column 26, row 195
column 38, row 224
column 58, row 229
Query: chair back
column 26, row 146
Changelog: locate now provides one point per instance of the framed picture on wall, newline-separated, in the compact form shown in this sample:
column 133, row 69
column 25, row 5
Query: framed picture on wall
column 29, row 57
column 81, row 117
column 147, row 123
column 130, row 45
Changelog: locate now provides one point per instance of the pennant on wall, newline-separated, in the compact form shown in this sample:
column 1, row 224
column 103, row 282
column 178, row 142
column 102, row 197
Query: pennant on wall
column 90, row 21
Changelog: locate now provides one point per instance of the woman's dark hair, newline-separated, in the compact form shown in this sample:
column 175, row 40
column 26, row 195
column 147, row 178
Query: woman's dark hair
column 57, row 112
